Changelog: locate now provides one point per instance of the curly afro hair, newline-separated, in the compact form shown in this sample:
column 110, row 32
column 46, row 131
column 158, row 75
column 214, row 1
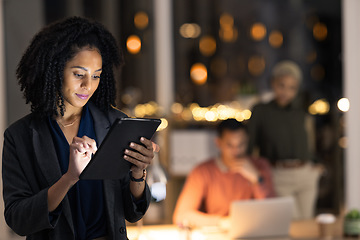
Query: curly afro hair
column 41, row 69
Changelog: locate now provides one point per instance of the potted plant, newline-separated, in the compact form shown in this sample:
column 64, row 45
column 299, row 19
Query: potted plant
column 352, row 224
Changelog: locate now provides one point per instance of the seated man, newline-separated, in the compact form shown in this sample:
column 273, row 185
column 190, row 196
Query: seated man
column 214, row 184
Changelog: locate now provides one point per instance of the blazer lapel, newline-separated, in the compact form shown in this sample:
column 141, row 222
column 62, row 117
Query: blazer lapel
column 47, row 159
column 102, row 124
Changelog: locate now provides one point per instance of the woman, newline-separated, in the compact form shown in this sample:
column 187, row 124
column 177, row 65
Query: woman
column 66, row 75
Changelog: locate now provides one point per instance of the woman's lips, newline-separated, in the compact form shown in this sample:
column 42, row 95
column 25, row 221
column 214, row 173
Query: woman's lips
column 82, row 96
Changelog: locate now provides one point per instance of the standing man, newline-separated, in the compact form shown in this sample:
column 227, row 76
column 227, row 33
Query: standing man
column 278, row 130
column 213, row 185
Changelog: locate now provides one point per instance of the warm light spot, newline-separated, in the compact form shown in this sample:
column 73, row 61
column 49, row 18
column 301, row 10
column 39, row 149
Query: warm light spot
column 239, row 116
column 207, row 46
column 256, row 65
column 198, row 73
column 151, row 108
column 164, row 124
column 126, row 98
column 276, row 39
column 320, row 107
column 228, row 34
column 317, row 72
column 343, row 104
column 218, row 66
column 177, row 108
column 190, row 30
column 140, row 110
column 226, row 20
column 343, row 142
column 258, row 31
column 133, row 44
column 211, row 116
column 246, row 114
column 186, row 115
column 199, row 113
column 141, row 20
column 320, row 31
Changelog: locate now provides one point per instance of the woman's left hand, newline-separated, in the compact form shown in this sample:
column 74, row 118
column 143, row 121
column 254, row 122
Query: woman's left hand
column 143, row 157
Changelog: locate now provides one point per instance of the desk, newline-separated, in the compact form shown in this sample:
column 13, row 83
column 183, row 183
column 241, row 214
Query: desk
column 298, row 230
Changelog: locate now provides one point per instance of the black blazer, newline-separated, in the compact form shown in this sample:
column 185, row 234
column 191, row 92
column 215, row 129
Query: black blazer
column 30, row 166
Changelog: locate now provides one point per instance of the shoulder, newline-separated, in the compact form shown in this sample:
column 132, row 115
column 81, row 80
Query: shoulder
column 22, row 125
column 108, row 116
column 261, row 107
column 203, row 167
column 201, row 174
column 115, row 112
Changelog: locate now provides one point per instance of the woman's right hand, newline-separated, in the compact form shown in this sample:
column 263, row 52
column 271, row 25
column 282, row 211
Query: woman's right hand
column 81, row 150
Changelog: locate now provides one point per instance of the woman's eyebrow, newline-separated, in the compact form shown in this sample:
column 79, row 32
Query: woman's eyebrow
column 85, row 69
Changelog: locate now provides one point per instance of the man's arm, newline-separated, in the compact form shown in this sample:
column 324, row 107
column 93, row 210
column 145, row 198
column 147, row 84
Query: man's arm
column 187, row 211
column 264, row 188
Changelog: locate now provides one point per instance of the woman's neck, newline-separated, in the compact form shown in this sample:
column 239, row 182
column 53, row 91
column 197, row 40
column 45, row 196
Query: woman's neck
column 69, row 115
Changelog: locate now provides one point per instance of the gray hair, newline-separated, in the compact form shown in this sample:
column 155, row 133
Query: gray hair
column 287, row 68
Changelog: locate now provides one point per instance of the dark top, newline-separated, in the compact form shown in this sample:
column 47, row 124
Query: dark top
column 278, row 132
column 86, row 197
column 30, row 166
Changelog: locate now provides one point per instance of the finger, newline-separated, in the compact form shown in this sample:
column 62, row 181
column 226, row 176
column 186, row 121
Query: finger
column 87, row 143
column 138, row 156
column 80, row 141
column 141, row 149
column 136, row 162
column 147, row 143
column 79, row 147
column 91, row 142
column 155, row 147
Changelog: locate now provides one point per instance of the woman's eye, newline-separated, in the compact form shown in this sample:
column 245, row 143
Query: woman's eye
column 96, row 77
column 78, row 75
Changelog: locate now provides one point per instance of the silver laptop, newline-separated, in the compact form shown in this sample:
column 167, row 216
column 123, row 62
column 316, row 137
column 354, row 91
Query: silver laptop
column 268, row 218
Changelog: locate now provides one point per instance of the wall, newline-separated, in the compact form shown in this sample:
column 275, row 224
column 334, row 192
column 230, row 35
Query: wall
column 20, row 20
column 351, row 62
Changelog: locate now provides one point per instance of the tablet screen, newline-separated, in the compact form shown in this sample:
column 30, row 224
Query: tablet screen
column 108, row 161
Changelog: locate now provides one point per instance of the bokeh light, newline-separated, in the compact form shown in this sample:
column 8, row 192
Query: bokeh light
column 256, row 65
column 227, row 32
column 319, row 107
column 226, row 20
column 276, row 39
column 133, row 44
column 343, row 104
column 190, row 30
column 177, row 108
column 258, row 31
column 207, row 46
column 320, row 31
column 163, row 125
column 198, row 73
column 141, row 20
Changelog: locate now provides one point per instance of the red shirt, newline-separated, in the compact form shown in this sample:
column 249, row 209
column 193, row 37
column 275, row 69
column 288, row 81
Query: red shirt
column 211, row 187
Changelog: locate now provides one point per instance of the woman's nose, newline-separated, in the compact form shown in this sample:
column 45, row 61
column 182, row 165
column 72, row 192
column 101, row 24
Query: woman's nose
column 86, row 83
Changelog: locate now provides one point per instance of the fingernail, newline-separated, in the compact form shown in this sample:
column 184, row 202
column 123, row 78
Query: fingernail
column 127, row 151
column 142, row 139
column 132, row 144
